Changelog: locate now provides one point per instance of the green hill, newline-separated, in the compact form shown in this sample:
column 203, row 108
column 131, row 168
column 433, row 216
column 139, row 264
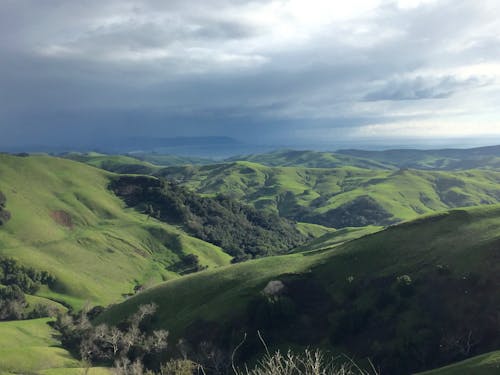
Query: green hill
column 341, row 197
column 444, row 159
column 29, row 347
column 485, row 364
column 169, row 159
column 440, row 159
column 65, row 220
column 240, row 230
column 114, row 163
column 412, row 297
column 310, row 159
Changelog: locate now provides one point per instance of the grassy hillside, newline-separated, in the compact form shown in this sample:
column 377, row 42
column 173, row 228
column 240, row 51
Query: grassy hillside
column 114, row 163
column 29, row 347
column 411, row 297
column 169, row 159
column 342, row 197
column 445, row 159
column 65, row 220
column 240, row 230
column 485, row 364
column 310, row 159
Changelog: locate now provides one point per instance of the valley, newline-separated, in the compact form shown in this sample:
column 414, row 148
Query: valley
column 335, row 253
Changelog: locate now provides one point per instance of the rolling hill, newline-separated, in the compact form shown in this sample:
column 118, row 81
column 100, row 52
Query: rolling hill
column 444, row 159
column 341, row 197
column 310, row 159
column 66, row 221
column 412, row 297
column 30, row 347
column 440, row 159
column 114, row 163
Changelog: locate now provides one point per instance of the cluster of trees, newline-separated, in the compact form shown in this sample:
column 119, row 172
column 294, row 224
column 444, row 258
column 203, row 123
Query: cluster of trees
column 242, row 231
column 27, row 279
column 13, row 305
column 4, row 214
column 134, row 348
column 131, row 344
column 16, row 280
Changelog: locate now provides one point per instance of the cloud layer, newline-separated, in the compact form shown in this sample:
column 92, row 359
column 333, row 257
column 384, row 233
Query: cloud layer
column 268, row 71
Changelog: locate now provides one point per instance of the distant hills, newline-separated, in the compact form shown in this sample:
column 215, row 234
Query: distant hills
column 445, row 159
column 342, row 196
column 442, row 159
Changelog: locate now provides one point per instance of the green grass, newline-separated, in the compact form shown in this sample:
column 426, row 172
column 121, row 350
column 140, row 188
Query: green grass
column 464, row 242
column 30, row 347
column 106, row 250
column 337, row 237
column 114, row 163
column 324, row 196
column 311, row 159
column 445, row 159
column 486, row 364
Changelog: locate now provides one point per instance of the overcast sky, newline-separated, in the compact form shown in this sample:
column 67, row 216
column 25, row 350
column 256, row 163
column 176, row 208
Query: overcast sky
column 296, row 71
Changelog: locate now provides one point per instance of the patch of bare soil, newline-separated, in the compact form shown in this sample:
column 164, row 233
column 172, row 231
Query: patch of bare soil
column 62, row 218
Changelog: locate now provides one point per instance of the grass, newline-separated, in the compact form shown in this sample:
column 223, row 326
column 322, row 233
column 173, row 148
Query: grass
column 337, row 237
column 463, row 241
column 312, row 159
column 321, row 196
column 30, row 347
column 114, row 163
column 103, row 250
column 485, row 364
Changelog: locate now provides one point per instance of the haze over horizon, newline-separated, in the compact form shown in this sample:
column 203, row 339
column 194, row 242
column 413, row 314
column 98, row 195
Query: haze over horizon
column 317, row 74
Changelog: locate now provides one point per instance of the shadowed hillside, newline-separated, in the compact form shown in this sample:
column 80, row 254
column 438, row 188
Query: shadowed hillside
column 240, row 230
column 412, row 297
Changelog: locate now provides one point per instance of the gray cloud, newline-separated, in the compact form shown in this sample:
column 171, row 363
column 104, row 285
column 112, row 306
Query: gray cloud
column 220, row 67
column 424, row 88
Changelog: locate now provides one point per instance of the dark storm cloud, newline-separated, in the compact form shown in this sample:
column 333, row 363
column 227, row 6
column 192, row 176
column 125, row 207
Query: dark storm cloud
column 246, row 69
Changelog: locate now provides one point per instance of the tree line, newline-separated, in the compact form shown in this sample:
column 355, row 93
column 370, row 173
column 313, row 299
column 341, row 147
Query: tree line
column 240, row 230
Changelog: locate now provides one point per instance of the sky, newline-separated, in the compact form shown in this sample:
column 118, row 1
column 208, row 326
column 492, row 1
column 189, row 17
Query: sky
column 268, row 72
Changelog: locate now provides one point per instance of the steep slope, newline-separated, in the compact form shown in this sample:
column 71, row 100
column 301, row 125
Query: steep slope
column 240, row 230
column 341, row 197
column 412, row 297
column 65, row 220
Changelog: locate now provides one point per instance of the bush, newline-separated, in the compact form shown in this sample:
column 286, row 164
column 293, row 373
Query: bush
column 308, row 363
